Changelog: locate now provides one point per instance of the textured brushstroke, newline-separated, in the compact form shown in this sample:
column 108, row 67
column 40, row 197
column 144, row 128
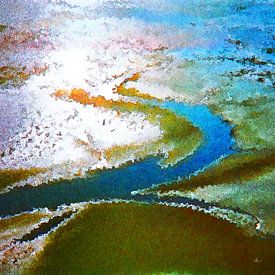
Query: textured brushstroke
column 169, row 103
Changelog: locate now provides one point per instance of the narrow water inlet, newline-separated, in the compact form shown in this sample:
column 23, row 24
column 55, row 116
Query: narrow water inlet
column 119, row 183
column 45, row 227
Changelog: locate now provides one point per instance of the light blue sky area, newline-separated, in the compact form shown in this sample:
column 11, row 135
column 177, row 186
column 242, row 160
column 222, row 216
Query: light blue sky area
column 174, row 18
column 251, row 22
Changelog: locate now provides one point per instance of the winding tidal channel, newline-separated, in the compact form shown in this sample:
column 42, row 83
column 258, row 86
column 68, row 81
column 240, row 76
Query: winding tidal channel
column 118, row 183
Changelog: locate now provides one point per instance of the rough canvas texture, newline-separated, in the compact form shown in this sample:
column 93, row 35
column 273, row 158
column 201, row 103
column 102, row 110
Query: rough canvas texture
column 137, row 137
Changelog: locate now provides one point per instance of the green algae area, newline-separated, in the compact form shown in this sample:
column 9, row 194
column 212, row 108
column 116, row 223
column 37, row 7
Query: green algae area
column 253, row 119
column 249, row 106
column 10, row 176
column 12, row 226
column 21, row 220
column 255, row 196
column 17, row 75
column 239, row 168
column 133, row 92
column 11, row 75
column 2, row 27
column 150, row 239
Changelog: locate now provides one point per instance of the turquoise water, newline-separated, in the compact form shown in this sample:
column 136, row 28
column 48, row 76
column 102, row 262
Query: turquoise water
column 119, row 183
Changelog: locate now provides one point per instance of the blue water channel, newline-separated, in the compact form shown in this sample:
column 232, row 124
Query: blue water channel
column 120, row 182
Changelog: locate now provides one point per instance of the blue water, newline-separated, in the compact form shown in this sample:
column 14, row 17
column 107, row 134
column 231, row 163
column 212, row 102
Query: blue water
column 118, row 183
column 173, row 18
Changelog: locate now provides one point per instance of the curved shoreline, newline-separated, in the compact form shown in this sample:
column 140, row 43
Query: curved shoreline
column 120, row 182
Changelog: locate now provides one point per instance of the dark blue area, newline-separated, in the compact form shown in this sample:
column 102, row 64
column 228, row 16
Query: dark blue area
column 118, row 183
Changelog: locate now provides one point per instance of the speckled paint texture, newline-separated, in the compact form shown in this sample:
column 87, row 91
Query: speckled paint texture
column 137, row 137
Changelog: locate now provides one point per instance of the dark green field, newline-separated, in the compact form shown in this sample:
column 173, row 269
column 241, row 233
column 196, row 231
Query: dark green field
column 142, row 239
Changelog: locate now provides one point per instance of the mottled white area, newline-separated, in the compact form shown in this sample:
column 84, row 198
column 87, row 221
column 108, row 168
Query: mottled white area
column 92, row 54
column 56, row 126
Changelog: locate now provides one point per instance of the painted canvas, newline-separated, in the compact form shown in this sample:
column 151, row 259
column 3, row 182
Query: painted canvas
column 137, row 137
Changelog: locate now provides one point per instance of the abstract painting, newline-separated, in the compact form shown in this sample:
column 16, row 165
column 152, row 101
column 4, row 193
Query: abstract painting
column 137, row 137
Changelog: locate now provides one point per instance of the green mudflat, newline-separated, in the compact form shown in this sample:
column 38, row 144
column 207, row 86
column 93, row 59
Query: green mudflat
column 142, row 239
column 235, row 168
